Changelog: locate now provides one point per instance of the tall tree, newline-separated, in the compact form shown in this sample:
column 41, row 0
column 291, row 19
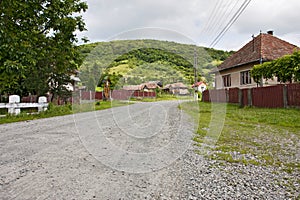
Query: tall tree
column 37, row 45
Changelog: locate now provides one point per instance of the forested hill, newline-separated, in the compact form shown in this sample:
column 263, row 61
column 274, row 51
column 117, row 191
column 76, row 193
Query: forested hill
column 135, row 61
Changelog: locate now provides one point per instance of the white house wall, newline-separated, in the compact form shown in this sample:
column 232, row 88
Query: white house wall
column 235, row 74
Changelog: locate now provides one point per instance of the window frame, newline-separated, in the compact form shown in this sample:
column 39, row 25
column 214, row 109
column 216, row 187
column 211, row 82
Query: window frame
column 245, row 77
column 226, row 79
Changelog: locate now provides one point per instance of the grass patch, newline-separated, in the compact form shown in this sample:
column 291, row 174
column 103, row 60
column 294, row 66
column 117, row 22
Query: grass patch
column 54, row 110
column 258, row 136
column 162, row 97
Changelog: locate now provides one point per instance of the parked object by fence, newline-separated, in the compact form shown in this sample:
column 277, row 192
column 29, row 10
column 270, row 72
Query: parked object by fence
column 278, row 96
column 14, row 106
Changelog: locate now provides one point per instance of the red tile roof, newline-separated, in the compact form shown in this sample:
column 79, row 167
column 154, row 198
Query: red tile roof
column 132, row 87
column 198, row 83
column 264, row 46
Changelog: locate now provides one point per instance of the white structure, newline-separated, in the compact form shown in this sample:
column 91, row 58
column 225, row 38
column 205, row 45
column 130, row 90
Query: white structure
column 14, row 106
column 201, row 86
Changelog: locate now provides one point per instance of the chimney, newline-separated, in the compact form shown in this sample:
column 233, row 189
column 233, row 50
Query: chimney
column 270, row 32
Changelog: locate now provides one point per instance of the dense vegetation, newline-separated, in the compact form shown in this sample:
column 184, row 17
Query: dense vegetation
column 286, row 69
column 37, row 45
column 136, row 61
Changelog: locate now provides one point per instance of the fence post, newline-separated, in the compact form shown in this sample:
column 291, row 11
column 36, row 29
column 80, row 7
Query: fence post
column 42, row 100
column 285, row 98
column 13, row 100
column 241, row 98
column 79, row 97
column 250, row 97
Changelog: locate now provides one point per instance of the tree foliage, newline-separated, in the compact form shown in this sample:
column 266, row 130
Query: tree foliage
column 286, row 69
column 148, row 64
column 123, row 61
column 37, row 45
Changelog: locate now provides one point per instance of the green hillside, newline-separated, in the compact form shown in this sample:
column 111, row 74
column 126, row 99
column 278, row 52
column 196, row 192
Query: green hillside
column 132, row 62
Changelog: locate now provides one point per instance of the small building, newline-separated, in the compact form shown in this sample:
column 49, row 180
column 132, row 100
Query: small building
column 146, row 87
column 176, row 89
column 132, row 87
column 150, row 86
column 201, row 86
column 73, row 85
column 235, row 70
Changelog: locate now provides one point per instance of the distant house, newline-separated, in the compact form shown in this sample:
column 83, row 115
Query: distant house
column 235, row 71
column 72, row 86
column 147, row 87
column 176, row 89
column 201, row 86
column 150, row 86
column 132, row 87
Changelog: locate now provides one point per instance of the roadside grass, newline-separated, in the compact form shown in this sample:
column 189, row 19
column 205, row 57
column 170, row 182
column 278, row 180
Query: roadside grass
column 54, row 110
column 164, row 97
column 257, row 136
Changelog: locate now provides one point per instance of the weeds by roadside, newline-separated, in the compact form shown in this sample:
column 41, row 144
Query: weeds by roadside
column 257, row 136
column 54, row 110
column 164, row 97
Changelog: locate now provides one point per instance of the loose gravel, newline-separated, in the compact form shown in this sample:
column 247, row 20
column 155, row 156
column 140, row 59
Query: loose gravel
column 62, row 158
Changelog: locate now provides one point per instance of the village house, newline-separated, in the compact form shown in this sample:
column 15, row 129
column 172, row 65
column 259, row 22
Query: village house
column 176, row 89
column 201, row 86
column 235, row 70
column 151, row 86
column 146, row 87
column 132, row 88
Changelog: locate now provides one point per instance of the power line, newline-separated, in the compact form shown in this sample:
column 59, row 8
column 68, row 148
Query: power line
column 227, row 14
column 212, row 17
column 220, row 14
column 229, row 24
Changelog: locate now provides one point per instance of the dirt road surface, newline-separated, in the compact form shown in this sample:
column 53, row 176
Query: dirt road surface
column 140, row 151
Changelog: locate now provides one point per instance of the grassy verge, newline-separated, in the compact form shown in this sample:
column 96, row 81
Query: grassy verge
column 258, row 136
column 164, row 97
column 53, row 110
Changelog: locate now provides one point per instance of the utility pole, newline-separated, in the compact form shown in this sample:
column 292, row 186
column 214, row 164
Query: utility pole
column 195, row 75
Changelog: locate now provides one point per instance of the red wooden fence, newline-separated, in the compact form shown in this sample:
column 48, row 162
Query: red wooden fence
column 89, row 95
column 268, row 97
column 233, row 95
column 293, row 94
column 277, row 96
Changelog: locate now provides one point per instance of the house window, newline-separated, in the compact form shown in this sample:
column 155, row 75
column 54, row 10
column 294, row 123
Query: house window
column 245, row 77
column 227, row 80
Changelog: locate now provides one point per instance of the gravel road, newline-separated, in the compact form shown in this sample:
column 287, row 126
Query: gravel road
column 139, row 151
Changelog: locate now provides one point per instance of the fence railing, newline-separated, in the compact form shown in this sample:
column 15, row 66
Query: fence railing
column 79, row 97
column 115, row 94
column 14, row 106
column 278, row 96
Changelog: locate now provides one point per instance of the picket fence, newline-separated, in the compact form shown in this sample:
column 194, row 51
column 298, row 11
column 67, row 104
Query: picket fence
column 14, row 106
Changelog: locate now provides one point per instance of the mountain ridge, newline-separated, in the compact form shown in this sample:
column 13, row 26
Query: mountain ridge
column 119, row 59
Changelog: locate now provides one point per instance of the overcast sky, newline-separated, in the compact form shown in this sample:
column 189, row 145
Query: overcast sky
column 191, row 21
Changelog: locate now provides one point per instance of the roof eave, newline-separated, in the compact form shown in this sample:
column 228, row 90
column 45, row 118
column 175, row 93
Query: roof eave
column 241, row 64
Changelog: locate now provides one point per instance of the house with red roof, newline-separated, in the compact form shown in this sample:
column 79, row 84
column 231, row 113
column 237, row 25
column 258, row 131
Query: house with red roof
column 235, row 70
column 201, row 86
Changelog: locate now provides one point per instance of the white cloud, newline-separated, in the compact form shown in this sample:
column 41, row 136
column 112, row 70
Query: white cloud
column 105, row 19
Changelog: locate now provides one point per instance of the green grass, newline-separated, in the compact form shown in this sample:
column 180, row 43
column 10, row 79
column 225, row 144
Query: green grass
column 54, row 110
column 258, row 136
column 162, row 97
